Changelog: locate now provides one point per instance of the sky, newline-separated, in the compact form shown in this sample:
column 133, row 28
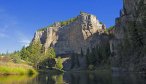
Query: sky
column 19, row 19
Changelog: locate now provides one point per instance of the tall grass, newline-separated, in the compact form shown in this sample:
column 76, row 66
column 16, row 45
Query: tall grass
column 16, row 69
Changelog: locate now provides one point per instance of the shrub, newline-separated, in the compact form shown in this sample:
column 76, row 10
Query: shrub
column 91, row 67
column 59, row 62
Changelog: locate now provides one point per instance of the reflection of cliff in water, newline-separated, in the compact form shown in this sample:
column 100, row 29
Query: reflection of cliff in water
column 76, row 78
column 87, row 78
column 104, row 78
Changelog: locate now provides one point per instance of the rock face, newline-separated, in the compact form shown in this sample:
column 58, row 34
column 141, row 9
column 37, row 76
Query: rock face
column 128, row 46
column 82, row 33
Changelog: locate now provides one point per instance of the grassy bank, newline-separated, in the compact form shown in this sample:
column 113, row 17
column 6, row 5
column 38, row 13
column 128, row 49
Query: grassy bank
column 16, row 69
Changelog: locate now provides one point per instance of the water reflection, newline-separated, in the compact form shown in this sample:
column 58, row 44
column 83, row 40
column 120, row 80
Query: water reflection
column 87, row 78
column 75, row 78
column 50, row 79
column 13, row 79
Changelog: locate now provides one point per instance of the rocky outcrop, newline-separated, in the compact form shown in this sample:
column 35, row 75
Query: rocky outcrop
column 128, row 46
column 85, row 32
column 73, row 38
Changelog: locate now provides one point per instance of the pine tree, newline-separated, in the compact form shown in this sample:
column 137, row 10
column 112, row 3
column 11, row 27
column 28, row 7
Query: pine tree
column 77, row 60
column 82, row 54
column 92, row 58
column 87, row 56
column 72, row 61
column 35, row 50
column 16, row 57
column 50, row 53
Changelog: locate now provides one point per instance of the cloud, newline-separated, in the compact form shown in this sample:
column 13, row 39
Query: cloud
column 24, row 42
column 10, row 27
column 23, row 39
column 12, row 35
column 8, row 24
column 2, row 35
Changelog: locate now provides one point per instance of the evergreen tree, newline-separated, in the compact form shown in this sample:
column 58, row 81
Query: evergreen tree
column 77, row 60
column 135, row 35
column 91, row 57
column 82, row 54
column 50, row 53
column 16, row 57
column 35, row 53
column 87, row 56
column 24, row 53
column 72, row 61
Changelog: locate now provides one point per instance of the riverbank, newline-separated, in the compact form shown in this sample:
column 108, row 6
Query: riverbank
column 51, row 71
column 16, row 69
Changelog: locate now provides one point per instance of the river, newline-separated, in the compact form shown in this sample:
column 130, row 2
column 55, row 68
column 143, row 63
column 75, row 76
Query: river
column 76, row 78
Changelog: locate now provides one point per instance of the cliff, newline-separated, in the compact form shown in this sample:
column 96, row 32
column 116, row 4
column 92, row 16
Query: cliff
column 83, row 32
column 83, row 39
column 128, row 47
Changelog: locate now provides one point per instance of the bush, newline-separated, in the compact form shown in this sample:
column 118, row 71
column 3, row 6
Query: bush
column 91, row 67
column 59, row 62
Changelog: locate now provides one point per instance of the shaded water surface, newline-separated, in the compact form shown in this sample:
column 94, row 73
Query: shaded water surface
column 75, row 78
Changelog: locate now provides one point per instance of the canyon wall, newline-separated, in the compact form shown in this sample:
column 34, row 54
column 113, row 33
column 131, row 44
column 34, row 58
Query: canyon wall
column 128, row 46
column 83, row 33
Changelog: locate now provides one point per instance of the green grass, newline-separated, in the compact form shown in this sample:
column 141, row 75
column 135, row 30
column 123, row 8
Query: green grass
column 16, row 69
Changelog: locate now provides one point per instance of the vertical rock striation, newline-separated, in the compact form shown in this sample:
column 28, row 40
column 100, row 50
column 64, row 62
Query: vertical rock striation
column 82, row 33
column 128, row 46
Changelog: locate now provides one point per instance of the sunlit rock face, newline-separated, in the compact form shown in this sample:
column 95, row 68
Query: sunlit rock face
column 85, row 32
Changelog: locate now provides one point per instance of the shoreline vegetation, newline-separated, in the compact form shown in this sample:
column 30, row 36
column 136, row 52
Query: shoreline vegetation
column 29, row 61
column 51, row 71
column 16, row 69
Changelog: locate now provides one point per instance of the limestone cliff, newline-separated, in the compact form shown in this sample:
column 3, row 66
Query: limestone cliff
column 128, row 47
column 82, row 33
column 85, row 32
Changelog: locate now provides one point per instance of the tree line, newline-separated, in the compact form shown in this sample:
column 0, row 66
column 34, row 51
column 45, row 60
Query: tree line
column 36, row 55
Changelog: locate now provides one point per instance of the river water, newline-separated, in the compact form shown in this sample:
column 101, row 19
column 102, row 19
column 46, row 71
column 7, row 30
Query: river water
column 76, row 78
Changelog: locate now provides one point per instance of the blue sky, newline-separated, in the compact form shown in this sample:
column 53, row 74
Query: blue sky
column 19, row 19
